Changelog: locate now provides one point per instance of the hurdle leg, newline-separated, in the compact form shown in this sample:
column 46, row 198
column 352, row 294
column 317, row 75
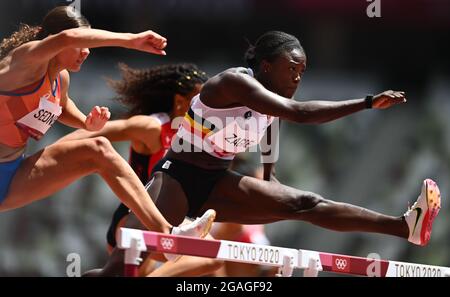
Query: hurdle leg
column 310, row 262
column 313, row 268
column 132, row 259
column 288, row 267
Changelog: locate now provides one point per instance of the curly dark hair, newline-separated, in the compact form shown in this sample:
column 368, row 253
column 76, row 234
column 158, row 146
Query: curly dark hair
column 148, row 91
column 57, row 20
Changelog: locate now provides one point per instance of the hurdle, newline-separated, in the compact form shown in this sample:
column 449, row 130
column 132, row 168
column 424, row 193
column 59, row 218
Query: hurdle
column 134, row 242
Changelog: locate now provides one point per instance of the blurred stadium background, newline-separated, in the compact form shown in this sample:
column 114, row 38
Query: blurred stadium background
column 375, row 159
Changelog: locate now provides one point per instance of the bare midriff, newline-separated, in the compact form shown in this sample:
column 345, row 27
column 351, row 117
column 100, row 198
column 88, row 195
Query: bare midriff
column 8, row 154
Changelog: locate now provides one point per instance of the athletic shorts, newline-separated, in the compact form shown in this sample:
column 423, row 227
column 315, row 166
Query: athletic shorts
column 197, row 183
column 117, row 221
column 7, row 172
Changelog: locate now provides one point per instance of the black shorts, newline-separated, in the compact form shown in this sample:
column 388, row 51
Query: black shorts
column 197, row 183
column 118, row 215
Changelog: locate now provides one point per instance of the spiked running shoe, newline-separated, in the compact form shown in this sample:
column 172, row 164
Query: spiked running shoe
column 198, row 228
column 421, row 215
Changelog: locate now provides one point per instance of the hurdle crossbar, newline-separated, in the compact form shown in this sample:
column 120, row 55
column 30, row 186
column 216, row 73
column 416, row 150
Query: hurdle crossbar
column 312, row 262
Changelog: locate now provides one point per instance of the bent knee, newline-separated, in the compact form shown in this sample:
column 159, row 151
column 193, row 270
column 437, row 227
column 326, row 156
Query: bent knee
column 101, row 145
column 99, row 149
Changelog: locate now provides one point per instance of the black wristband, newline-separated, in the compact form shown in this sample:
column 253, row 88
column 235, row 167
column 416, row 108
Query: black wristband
column 369, row 101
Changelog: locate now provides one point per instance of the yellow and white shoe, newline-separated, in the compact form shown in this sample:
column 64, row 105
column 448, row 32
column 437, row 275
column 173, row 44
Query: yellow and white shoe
column 198, row 228
column 421, row 215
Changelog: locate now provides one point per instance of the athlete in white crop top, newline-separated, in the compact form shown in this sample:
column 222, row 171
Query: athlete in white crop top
column 279, row 63
column 230, row 130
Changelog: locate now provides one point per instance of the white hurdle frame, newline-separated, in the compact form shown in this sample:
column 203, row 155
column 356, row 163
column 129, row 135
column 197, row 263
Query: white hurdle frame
column 134, row 242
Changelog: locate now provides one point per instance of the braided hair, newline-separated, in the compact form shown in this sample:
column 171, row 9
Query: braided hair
column 270, row 45
column 149, row 91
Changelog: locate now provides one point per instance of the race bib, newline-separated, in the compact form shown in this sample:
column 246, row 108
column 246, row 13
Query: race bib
column 37, row 122
column 234, row 139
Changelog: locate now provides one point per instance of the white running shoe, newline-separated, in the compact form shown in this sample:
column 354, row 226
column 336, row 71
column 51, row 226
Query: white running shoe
column 421, row 215
column 198, row 228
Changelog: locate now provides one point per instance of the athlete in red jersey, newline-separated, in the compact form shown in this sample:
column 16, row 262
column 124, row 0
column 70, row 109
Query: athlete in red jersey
column 143, row 163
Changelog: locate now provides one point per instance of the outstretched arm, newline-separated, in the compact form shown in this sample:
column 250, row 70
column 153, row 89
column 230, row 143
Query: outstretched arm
column 42, row 51
column 142, row 129
column 242, row 89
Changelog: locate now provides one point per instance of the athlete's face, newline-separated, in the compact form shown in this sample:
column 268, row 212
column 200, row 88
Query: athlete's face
column 73, row 58
column 182, row 102
column 284, row 73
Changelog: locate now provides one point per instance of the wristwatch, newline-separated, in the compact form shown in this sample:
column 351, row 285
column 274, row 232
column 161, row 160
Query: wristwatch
column 369, row 101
